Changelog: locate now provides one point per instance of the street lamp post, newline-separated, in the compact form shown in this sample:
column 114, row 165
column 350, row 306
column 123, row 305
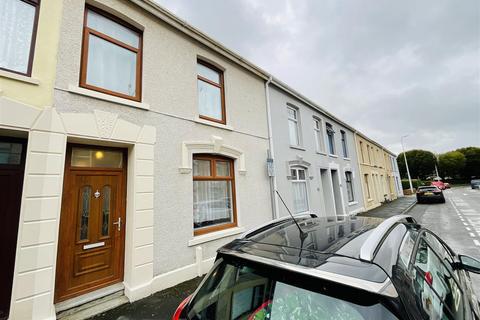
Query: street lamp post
column 406, row 164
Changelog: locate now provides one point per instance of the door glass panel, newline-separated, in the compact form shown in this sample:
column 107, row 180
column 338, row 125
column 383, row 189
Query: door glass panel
column 84, row 199
column 96, row 158
column 10, row 153
column 106, row 210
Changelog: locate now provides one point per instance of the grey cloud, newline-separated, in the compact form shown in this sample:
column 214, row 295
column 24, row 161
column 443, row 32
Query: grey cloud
column 386, row 67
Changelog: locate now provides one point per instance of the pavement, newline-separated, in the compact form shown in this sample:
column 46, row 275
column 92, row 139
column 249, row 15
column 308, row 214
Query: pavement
column 390, row 209
column 159, row 306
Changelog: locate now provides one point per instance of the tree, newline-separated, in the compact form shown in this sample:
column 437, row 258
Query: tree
column 451, row 164
column 472, row 162
column 420, row 162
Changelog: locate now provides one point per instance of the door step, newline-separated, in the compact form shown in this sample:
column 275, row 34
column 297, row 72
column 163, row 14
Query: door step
column 95, row 307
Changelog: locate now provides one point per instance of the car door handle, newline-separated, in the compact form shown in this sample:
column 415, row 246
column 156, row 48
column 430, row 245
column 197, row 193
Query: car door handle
column 119, row 223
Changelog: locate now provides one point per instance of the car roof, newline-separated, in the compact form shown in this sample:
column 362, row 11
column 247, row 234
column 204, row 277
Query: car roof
column 340, row 247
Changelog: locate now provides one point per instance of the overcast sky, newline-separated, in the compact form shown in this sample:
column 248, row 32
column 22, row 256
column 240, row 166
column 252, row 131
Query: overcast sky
column 388, row 68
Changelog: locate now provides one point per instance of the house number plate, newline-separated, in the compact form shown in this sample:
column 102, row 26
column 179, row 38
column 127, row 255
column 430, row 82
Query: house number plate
column 93, row 245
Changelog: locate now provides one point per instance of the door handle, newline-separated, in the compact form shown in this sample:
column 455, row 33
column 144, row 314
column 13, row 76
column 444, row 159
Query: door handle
column 119, row 223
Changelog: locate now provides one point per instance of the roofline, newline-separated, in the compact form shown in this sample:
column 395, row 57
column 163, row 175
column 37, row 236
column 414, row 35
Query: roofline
column 384, row 288
column 375, row 239
column 194, row 33
column 189, row 30
column 375, row 143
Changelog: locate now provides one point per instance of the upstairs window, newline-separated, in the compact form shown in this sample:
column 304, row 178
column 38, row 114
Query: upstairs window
column 318, row 133
column 18, row 28
column 300, row 196
column 344, row 144
column 293, row 126
column 331, row 138
column 213, row 194
column 361, row 152
column 111, row 56
column 349, row 181
column 211, row 99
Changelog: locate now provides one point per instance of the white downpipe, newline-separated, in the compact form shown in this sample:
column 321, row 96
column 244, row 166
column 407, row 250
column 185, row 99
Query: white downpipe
column 273, row 184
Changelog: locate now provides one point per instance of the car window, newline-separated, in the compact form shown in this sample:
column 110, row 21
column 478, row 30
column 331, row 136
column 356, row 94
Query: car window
column 436, row 289
column 439, row 248
column 241, row 292
column 406, row 248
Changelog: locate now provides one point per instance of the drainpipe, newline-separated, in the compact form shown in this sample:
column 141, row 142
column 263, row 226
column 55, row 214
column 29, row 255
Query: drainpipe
column 273, row 179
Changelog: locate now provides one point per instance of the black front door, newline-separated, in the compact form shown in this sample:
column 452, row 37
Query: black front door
column 12, row 165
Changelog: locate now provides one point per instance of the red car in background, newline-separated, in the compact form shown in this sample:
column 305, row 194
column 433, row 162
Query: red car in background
column 439, row 184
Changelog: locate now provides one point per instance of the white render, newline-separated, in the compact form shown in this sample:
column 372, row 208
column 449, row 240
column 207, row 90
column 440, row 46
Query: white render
column 48, row 132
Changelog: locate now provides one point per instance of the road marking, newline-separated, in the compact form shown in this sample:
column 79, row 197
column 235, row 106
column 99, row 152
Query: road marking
column 477, row 243
column 465, row 224
column 472, row 235
column 467, row 210
column 462, row 219
column 468, row 229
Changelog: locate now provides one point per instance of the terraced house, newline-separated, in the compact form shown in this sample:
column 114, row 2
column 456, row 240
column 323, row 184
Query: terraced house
column 377, row 167
column 314, row 155
column 141, row 145
column 133, row 146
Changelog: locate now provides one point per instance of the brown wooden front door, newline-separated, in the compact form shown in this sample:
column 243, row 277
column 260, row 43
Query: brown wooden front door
column 92, row 224
column 12, row 165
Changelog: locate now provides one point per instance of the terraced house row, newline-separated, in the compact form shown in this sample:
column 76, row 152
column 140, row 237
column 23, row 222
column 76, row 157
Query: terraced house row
column 132, row 146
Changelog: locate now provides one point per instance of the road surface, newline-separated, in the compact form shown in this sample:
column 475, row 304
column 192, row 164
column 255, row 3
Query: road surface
column 457, row 222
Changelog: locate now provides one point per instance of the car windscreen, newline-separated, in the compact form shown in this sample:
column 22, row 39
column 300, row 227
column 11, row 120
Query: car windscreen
column 242, row 291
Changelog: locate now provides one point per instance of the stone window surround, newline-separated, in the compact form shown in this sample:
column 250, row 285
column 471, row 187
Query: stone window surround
column 48, row 133
column 214, row 146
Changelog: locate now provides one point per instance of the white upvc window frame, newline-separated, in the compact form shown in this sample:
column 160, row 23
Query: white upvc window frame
column 296, row 179
column 349, row 183
column 295, row 120
column 318, row 133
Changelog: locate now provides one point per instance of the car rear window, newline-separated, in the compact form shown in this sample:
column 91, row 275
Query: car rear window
column 427, row 189
column 237, row 291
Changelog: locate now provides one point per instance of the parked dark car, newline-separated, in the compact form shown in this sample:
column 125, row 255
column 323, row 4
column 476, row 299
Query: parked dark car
column 342, row 267
column 475, row 183
column 430, row 194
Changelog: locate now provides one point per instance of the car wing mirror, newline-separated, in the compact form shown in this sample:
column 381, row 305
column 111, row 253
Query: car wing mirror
column 469, row 264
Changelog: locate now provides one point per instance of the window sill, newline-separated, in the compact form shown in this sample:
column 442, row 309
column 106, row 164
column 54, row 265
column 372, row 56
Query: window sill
column 298, row 148
column 322, row 153
column 213, row 124
column 19, row 77
column 369, row 200
column 353, row 203
column 347, row 159
column 332, row 155
column 215, row 236
column 107, row 97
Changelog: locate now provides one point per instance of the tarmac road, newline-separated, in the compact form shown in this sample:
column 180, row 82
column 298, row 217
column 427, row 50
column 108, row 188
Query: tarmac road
column 457, row 222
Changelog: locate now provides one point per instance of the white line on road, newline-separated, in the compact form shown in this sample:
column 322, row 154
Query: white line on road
column 477, row 243
column 465, row 224
column 472, row 235
column 468, row 229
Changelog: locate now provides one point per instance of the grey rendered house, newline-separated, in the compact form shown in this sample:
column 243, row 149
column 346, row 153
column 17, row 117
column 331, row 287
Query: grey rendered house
column 155, row 151
column 314, row 157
